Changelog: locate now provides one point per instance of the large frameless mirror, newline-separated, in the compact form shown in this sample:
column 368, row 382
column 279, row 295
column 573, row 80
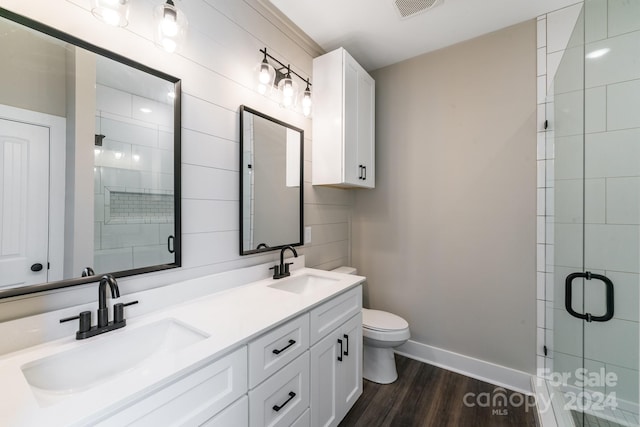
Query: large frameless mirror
column 89, row 162
column 271, row 183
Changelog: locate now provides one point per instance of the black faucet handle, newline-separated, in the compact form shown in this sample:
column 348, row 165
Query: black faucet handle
column 286, row 267
column 118, row 311
column 85, row 320
column 68, row 319
column 276, row 271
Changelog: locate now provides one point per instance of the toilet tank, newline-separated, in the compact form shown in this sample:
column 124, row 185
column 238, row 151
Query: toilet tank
column 345, row 270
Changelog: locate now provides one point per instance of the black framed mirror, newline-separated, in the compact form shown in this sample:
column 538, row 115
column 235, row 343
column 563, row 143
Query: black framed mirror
column 271, row 183
column 90, row 153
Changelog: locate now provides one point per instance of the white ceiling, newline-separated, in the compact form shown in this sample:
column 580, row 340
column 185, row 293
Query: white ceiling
column 373, row 32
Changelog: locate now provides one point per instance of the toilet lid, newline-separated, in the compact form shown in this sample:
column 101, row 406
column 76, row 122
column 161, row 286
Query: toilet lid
column 382, row 320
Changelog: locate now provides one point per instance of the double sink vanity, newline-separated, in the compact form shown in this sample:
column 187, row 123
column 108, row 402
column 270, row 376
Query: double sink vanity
column 237, row 348
column 265, row 353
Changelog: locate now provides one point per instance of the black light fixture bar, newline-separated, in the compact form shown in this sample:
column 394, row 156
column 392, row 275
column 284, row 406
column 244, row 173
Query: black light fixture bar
column 285, row 67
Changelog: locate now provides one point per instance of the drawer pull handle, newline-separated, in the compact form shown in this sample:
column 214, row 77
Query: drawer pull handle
column 341, row 350
column 291, row 396
column 291, row 342
column 346, row 352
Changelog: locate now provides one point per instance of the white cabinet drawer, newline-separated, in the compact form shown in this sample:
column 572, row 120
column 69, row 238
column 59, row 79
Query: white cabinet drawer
column 330, row 315
column 236, row 415
column 192, row 399
column 282, row 398
column 273, row 350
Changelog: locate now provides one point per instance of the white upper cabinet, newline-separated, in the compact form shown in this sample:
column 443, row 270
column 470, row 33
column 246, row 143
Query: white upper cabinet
column 343, row 122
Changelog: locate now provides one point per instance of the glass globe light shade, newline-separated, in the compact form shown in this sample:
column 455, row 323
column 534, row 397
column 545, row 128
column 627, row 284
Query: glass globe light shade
column 111, row 12
column 171, row 26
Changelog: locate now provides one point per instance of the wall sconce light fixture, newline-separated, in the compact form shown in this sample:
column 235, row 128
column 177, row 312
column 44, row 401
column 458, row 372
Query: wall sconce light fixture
column 171, row 26
column 266, row 75
column 306, row 101
column 171, row 23
column 112, row 12
column 288, row 90
column 281, row 78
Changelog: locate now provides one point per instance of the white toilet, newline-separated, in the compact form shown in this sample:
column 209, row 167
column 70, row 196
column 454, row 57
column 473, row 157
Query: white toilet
column 381, row 332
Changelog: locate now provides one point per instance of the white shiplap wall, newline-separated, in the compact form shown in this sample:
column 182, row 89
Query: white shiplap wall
column 216, row 66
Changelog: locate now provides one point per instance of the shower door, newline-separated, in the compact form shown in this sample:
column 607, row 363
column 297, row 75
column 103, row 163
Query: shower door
column 593, row 218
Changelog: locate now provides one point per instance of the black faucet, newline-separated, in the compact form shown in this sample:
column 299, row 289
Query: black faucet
column 103, row 310
column 282, row 270
column 88, row 271
column 86, row 330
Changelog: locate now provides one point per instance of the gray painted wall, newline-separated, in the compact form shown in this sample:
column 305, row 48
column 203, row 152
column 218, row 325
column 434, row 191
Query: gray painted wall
column 447, row 237
column 28, row 58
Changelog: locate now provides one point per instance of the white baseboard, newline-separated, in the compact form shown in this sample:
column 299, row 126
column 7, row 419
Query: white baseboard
column 468, row 366
column 544, row 404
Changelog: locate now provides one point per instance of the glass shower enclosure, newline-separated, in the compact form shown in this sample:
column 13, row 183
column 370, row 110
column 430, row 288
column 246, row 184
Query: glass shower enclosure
column 593, row 219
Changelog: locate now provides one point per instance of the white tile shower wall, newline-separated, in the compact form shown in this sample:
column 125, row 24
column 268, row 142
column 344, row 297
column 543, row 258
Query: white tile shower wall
column 611, row 186
column 554, row 30
column 611, row 153
column 128, row 207
column 136, row 174
column 216, row 67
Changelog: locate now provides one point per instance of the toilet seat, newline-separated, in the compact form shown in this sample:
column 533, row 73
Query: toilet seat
column 384, row 327
column 390, row 338
column 382, row 321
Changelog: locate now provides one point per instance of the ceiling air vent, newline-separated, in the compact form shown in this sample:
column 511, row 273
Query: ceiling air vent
column 408, row 8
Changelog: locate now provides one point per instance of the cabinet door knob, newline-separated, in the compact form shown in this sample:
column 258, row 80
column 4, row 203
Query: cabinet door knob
column 341, row 350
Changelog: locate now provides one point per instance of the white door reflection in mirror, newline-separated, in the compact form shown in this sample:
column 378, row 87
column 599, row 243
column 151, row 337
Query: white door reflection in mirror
column 24, row 196
column 32, row 194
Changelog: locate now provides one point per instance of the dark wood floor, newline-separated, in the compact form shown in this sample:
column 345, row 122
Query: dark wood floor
column 427, row 396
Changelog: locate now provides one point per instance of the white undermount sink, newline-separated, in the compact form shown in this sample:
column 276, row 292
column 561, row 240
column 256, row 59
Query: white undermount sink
column 302, row 284
column 107, row 356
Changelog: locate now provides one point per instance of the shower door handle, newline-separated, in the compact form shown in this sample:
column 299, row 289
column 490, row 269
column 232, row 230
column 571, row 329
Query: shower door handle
column 171, row 244
column 588, row 316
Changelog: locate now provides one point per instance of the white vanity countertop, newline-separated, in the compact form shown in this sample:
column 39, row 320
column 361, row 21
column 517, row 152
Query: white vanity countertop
column 230, row 318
